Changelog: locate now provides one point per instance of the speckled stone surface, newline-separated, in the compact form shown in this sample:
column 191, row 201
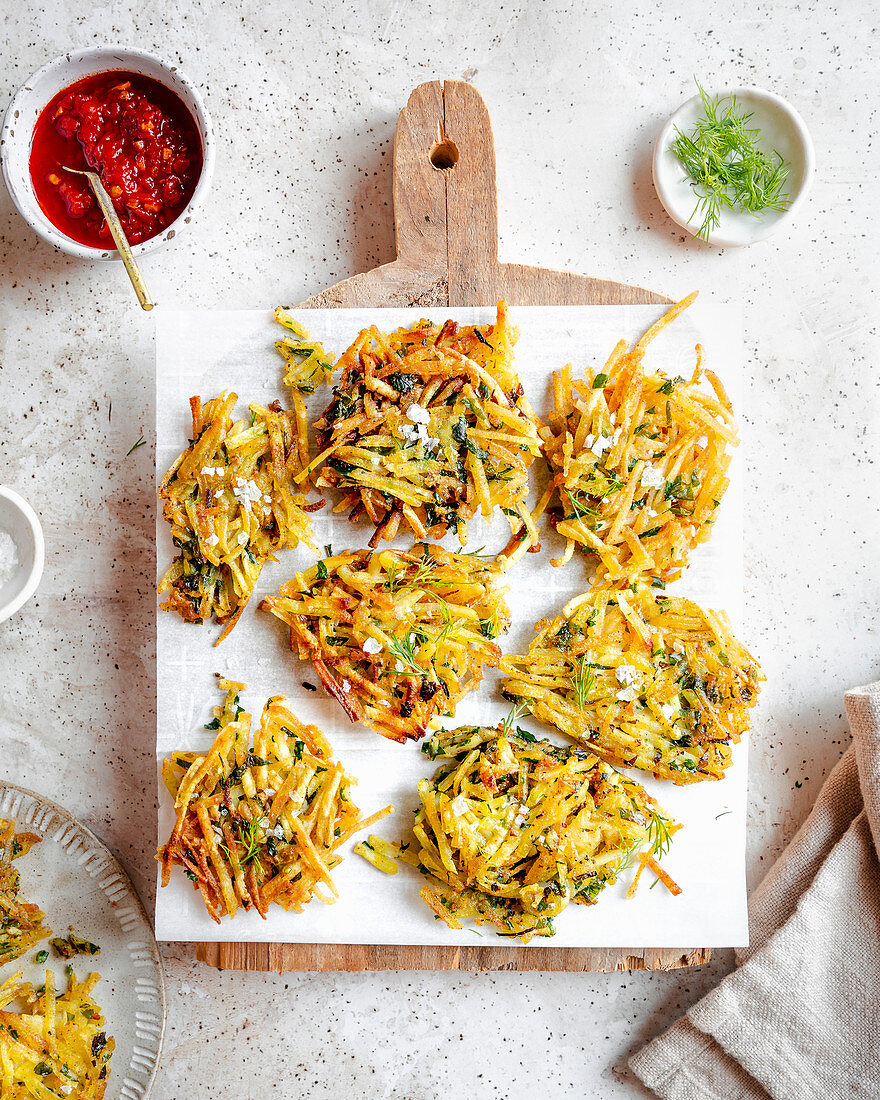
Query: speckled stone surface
column 304, row 98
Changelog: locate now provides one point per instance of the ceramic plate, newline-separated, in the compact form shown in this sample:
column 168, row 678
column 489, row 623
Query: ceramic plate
column 76, row 881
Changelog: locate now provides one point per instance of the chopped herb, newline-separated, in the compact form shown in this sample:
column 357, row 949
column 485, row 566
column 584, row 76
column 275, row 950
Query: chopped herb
column 401, row 382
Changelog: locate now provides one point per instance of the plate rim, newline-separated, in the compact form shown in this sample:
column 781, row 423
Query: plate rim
column 153, row 945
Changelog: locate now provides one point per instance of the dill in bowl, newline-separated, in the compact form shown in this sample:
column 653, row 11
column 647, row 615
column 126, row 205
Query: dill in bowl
column 727, row 165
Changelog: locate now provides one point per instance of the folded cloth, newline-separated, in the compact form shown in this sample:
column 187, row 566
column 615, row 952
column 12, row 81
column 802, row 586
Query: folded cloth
column 800, row 1016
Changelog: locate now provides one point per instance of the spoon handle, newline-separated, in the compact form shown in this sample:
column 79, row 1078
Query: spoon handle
column 119, row 238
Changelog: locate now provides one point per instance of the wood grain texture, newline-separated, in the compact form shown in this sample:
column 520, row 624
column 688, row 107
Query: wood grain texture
column 446, row 234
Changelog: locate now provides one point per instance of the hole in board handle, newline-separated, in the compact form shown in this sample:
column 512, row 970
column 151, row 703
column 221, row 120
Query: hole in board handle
column 443, row 155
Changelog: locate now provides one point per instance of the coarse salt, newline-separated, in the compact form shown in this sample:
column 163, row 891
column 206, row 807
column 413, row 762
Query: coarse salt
column 372, row 645
column 417, row 414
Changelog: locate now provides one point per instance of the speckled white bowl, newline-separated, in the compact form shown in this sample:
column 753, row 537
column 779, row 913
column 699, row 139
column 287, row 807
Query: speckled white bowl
column 782, row 129
column 21, row 523
column 24, row 110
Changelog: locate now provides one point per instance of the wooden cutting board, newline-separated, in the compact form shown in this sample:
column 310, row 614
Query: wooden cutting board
column 446, row 231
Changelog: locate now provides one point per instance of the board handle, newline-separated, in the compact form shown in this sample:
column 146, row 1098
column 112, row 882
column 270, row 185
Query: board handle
column 445, row 194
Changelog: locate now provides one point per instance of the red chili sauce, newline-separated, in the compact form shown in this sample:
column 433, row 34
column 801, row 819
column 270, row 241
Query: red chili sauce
column 140, row 139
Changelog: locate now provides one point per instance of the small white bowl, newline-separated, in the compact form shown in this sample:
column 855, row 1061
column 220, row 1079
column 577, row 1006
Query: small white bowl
column 20, row 522
column 29, row 101
column 782, row 130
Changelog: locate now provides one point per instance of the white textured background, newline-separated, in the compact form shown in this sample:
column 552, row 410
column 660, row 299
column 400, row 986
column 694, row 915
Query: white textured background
column 304, row 98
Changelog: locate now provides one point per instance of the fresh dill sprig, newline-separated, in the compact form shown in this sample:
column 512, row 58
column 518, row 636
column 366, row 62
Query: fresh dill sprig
column 581, row 511
column 658, row 834
column 400, row 575
column 656, row 838
column 404, row 649
column 726, row 165
column 582, row 677
column 513, row 716
column 249, row 837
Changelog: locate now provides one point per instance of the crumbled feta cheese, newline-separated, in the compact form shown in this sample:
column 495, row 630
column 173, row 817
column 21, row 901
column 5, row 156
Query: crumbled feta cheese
column 652, row 478
column 653, row 512
column 246, row 492
column 211, row 540
column 627, row 695
column 241, row 538
column 522, row 815
column 626, row 674
column 668, row 710
column 600, row 445
column 417, row 414
column 702, row 442
column 458, row 806
column 372, row 645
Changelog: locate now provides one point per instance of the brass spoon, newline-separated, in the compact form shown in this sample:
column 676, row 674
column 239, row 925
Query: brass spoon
column 118, row 234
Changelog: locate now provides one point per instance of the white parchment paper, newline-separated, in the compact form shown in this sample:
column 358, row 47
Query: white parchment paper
column 204, row 352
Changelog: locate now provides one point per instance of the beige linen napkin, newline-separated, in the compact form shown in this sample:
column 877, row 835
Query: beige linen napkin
column 800, row 1017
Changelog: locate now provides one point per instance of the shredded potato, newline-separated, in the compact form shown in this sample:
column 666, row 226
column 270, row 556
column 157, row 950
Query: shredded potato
column 426, row 426
column 307, row 364
column 58, row 1046
column 638, row 462
column 21, row 922
column 512, row 829
column 643, row 680
column 396, row 637
column 230, row 504
column 263, row 823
